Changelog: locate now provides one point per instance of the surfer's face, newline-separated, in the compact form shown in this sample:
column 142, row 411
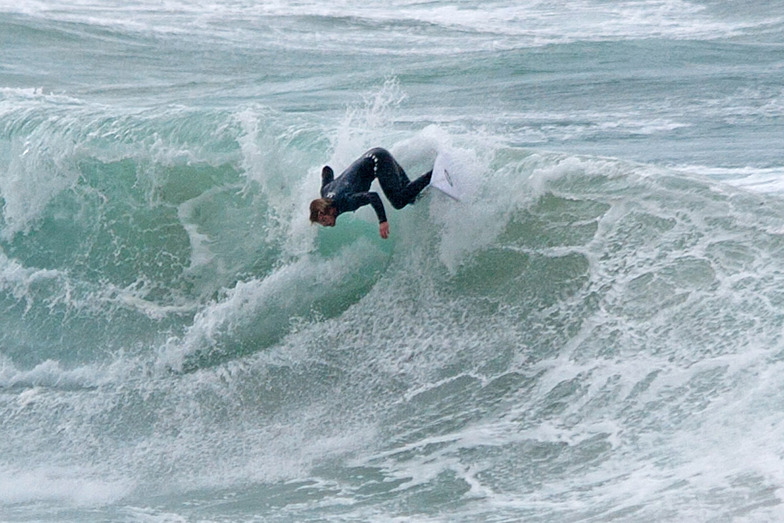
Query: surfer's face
column 327, row 219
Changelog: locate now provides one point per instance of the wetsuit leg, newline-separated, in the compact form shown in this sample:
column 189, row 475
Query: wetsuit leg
column 399, row 190
column 413, row 189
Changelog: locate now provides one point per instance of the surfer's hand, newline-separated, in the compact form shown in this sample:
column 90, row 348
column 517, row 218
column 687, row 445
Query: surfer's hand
column 383, row 229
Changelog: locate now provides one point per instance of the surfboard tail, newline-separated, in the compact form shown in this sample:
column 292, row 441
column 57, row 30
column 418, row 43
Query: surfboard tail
column 444, row 179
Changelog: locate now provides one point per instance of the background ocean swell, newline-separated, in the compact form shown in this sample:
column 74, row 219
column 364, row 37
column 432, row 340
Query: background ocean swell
column 584, row 338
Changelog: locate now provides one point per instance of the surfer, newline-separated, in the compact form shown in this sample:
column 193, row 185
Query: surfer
column 351, row 190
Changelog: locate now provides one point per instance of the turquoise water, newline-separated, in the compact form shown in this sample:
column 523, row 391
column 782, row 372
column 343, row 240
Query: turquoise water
column 593, row 334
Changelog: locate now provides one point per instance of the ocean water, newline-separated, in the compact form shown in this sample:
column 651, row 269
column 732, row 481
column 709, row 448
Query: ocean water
column 595, row 333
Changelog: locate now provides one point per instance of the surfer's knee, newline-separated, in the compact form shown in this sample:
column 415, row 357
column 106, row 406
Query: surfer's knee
column 398, row 203
column 380, row 153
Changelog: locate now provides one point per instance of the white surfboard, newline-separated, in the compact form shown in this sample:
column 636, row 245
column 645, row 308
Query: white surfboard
column 444, row 178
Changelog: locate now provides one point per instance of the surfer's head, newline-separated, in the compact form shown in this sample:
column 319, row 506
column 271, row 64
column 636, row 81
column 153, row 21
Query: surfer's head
column 323, row 212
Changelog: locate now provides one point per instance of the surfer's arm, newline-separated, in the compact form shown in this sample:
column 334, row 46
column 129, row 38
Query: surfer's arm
column 359, row 199
column 327, row 175
column 378, row 206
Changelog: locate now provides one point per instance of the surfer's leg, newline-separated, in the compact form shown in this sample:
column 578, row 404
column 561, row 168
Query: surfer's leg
column 413, row 189
column 399, row 190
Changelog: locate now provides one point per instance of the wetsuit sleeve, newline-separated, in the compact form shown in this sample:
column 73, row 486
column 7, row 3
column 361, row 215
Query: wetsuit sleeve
column 378, row 206
column 327, row 175
column 359, row 199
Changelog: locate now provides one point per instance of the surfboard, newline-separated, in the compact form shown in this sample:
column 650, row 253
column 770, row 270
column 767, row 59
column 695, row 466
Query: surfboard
column 443, row 178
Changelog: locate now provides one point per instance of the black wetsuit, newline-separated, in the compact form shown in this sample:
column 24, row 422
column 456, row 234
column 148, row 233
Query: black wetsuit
column 351, row 190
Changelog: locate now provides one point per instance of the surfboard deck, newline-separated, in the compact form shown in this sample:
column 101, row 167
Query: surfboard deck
column 444, row 179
